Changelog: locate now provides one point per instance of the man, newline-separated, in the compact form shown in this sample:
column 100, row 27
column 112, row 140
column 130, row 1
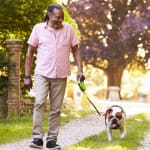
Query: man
column 53, row 40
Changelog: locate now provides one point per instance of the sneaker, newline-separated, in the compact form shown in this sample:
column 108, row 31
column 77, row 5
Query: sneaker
column 37, row 143
column 51, row 145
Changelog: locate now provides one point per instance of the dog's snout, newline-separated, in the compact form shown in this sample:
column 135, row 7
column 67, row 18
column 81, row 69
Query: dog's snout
column 114, row 121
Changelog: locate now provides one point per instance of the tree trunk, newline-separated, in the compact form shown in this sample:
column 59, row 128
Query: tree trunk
column 114, row 75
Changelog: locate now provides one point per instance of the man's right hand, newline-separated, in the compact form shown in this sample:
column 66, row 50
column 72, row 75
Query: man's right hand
column 28, row 83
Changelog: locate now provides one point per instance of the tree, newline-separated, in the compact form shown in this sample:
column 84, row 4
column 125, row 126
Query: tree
column 113, row 33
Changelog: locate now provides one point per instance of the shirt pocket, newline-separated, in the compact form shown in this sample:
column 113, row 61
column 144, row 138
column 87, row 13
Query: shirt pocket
column 45, row 41
column 65, row 43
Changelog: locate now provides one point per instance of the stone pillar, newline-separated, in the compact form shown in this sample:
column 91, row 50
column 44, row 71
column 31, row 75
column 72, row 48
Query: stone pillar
column 113, row 93
column 14, row 47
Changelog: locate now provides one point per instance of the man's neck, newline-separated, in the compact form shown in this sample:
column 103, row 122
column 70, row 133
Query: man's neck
column 49, row 24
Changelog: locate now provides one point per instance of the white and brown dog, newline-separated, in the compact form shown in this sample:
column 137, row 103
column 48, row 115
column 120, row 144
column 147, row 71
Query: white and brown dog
column 115, row 119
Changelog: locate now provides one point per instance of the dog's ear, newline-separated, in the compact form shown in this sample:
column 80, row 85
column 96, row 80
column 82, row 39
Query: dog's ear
column 109, row 110
column 123, row 112
column 107, row 114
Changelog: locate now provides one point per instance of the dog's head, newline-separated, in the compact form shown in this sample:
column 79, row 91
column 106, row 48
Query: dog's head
column 114, row 116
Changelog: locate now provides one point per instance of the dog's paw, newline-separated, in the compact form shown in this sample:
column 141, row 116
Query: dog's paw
column 122, row 135
column 109, row 138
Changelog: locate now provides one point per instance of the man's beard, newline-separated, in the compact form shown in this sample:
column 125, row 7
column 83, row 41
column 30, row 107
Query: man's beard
column 57, row 25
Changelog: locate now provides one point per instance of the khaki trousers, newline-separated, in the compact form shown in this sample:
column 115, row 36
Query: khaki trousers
column 55, row 88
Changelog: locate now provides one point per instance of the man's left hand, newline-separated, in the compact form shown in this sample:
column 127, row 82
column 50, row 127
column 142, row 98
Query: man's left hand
column 80, row 77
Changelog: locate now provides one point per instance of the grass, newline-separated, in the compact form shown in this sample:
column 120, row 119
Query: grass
column 136, row 127
column 13, row 130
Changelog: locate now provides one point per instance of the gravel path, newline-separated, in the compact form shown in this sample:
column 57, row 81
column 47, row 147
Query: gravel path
column 78, row 129
column 145, row 144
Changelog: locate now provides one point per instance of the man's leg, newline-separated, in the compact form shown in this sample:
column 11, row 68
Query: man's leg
column 57, row 91
column 41, row 88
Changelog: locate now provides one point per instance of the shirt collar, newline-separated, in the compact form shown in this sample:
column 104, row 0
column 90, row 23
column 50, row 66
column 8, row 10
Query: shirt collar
column 50, row 28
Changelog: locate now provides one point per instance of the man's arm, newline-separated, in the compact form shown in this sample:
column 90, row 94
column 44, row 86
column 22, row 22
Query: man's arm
column 28, row 67
column 77, row 57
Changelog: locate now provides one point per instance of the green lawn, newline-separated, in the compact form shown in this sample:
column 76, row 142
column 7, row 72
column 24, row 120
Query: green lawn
column 13, row 130
column 136, row 127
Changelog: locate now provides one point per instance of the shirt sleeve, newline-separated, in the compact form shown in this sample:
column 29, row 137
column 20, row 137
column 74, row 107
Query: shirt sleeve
column 74, row 38
column 33, row 38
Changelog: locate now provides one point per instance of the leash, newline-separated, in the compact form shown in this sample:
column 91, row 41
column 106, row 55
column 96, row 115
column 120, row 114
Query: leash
column 92, row 104
column 83, row 89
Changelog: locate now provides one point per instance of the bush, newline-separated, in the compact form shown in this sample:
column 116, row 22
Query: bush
column 3, row 84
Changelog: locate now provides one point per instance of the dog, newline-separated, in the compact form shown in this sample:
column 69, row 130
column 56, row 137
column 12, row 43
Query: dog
column 115, row 119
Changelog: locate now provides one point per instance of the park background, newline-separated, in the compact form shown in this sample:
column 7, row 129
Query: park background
column 115, row 47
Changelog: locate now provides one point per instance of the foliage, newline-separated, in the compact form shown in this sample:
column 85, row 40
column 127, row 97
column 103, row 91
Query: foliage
column 3, row 84
column 69, row 19
column 3, row 71
column 18, row 19
column 113, row 33
column 135, row 83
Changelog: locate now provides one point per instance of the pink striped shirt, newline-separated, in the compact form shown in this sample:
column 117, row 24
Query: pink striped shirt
column 53, row 49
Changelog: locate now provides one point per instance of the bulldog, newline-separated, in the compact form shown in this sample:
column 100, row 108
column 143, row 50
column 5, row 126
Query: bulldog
column 115, row 119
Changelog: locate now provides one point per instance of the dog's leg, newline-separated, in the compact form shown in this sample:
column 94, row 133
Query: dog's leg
column 123, row 132
column 109, row 134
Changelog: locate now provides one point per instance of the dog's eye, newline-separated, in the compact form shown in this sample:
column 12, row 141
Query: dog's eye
column 110, row 117
column 119, row 116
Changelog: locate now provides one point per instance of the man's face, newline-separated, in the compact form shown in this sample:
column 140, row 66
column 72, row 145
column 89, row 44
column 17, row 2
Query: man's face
column 56, row 18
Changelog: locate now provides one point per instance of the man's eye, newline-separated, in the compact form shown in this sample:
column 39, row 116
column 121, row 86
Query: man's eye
column 58, row 17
